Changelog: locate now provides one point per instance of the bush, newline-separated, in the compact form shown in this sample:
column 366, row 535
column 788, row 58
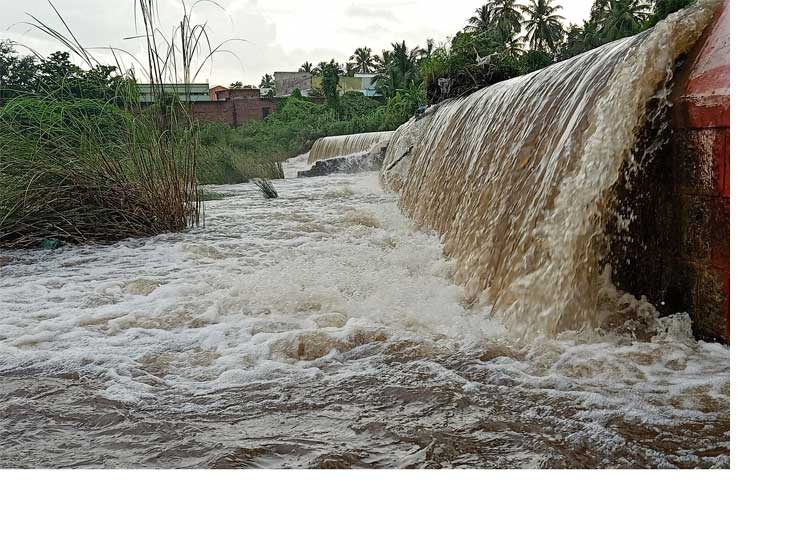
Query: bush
column 86, row 171
column 232, row 155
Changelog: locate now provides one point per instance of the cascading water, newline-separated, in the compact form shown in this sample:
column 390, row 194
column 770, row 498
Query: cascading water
column 332, row 147
column 518, row 177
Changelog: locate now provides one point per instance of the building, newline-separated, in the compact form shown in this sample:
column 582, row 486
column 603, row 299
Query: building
column 367, row 84
column 195, row 92
column 288, row 82
column 214, row 92
column 237, row 94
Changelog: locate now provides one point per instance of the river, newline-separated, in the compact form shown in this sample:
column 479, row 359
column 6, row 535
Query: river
column 323, row 329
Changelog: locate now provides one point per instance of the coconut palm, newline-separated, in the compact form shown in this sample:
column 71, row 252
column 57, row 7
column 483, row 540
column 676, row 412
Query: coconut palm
column 622, row 18
column 405, row 61
column 507, row 17
column 428, row 49
column 307, row 67
column 383, row 61
column 400, row 67
column 363, row 61
column 513, row 48
column 482, row 21
column 543, row 25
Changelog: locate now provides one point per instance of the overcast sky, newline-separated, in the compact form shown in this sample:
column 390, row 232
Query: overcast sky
column 279, row 35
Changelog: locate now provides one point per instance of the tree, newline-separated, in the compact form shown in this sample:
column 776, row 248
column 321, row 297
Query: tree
column 267, row 85
column 622, row 18
column 507, row 16
column 543, row 25
column 330, row 73
column 513, row 49
column 56, row 76
column 663, row 8
column 236, row 85
column 400, row 67
column 382, row 62
column 363, row 61
column 427, row 50
column 536, row 60
column 306, row 68
column 483, row 20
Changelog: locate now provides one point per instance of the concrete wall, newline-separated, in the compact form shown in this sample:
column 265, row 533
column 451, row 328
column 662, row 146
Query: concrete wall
column 287, row 82
column 678, row 250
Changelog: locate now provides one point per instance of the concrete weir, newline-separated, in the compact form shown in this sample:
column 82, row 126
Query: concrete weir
column 617, row 160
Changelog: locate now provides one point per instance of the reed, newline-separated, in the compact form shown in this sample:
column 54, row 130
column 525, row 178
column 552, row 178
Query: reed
column 82, row 171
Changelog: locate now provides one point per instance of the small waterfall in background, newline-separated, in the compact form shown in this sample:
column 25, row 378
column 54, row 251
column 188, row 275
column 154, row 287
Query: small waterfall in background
column 332, row 147
column 518, row 178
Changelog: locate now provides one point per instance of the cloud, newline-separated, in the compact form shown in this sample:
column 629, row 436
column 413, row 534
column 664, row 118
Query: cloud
column 275, row 35
column 355, row 10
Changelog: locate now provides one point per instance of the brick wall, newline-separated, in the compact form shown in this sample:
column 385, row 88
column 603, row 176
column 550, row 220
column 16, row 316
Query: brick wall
column 233, row 112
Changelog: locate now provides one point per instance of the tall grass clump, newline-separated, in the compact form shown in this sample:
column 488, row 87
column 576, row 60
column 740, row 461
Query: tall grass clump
column 91, row 171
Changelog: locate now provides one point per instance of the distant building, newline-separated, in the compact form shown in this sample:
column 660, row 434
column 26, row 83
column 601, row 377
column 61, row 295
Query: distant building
column 367, row 85
column 288, row 82
column 360, row 82
column 214, row 92
column 196, row 92
column 237, row 94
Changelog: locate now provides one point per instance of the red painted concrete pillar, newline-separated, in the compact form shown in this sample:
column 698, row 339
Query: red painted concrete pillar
column 677, row 252
column 701, row 166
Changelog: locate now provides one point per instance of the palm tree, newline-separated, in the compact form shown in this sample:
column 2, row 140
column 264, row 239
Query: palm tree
column 382, row 62
column 307, row 67
column 482, row 21
column 622, row 18
column 513, row 49
column 507, row 16
column 404, row 62
column 428, row 49
column 399, row 68
column 363, row 61
column 543, row 25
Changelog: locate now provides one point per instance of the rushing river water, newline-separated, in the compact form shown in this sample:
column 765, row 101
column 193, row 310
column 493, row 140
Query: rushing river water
column 323, row 329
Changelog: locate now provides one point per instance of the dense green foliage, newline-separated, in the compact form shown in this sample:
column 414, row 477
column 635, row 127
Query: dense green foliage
column 229, row 155
column 503, row 39
column 81, row 162
column 57, row 76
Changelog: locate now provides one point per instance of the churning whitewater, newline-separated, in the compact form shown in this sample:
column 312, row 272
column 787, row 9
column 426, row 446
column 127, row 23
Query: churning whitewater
column 324, row 329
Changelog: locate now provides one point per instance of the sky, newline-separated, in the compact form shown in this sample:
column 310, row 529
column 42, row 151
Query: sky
column 269, row 35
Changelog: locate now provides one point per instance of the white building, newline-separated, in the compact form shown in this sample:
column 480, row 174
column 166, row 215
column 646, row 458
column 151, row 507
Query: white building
column 367, row 86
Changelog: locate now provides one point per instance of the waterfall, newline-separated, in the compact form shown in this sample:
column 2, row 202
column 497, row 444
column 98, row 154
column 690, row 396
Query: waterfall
column 332, row 147
column 518, row 178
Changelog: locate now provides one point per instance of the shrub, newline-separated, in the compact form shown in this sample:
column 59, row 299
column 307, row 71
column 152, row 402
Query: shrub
column 84, row 171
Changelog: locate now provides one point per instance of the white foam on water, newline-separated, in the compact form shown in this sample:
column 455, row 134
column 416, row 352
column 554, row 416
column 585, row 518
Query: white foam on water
column 336, row 251
column 327, row 329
